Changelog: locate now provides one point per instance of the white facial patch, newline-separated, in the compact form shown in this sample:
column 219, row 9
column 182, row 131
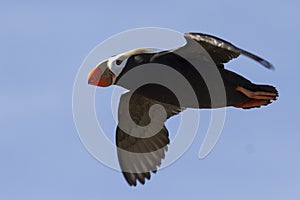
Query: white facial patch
column 112, row 65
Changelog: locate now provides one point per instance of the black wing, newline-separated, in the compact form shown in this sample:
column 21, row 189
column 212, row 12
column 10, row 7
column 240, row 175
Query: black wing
column 222, row 51
column 141, row 144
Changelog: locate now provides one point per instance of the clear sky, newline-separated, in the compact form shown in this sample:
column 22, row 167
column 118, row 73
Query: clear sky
column 42, row 45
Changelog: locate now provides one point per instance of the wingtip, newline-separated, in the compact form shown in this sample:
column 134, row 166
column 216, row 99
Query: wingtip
column 267, row 65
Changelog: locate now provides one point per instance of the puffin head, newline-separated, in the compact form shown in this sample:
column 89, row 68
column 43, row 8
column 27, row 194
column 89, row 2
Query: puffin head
column 107, row 71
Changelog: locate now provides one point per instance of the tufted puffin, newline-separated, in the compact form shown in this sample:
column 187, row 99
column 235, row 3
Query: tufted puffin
column 141, row 136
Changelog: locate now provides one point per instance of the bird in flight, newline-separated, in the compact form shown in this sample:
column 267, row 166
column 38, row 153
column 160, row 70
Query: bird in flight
column 141, row 136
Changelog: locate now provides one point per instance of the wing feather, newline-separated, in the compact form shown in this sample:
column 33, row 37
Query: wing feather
column 222, row 51
column 138, row 156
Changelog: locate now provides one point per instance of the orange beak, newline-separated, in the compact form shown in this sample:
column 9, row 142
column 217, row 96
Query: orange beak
column 98, row 78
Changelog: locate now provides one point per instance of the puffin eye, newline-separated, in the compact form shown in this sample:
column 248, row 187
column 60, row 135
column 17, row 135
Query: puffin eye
column 119, row 62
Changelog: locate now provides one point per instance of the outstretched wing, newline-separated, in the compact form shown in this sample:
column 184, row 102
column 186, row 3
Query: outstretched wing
column 141, row 141
column 222, row 51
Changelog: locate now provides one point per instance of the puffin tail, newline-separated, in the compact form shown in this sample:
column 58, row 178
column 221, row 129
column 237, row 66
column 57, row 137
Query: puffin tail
column 258, row 95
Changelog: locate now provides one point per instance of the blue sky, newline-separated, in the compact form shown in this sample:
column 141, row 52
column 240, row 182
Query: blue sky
column 43, row 46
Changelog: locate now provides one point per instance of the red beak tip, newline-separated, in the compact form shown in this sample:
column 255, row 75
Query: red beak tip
column 97, row 78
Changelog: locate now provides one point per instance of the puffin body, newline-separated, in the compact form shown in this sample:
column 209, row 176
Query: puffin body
column 141, row 136
column 231, row 81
